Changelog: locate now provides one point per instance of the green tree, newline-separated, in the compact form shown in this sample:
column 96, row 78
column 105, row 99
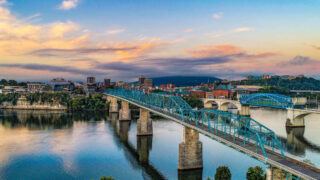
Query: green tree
column 107, row 178
column 195, row 101
column 255, row 173
column 222, row 173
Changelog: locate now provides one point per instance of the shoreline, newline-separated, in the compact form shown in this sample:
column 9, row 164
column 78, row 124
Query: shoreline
column 34, row 108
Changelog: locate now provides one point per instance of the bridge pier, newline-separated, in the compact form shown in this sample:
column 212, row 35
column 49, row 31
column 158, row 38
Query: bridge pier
column 113, row 105
column 144, row 145
column 273, row 173
column 208, row 105
column 109, row 98
column 144, row 123
column 190, row 151
column 124, row 113
column 244, row 110
column 295, row 118
column 223, row 107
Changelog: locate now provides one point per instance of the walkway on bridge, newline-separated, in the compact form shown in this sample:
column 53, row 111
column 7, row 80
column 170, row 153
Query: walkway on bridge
column 239, row 132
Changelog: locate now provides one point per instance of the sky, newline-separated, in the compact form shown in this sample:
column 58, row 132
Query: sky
column 122, row 39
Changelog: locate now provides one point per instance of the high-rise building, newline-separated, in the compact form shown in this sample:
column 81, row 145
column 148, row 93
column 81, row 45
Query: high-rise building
column 148, row 83
column 91, row 80
column 107, row 83
column 142, row 79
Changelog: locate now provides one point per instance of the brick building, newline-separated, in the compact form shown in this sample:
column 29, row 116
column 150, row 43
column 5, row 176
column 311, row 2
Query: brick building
column 222, row 90
column 200, row 94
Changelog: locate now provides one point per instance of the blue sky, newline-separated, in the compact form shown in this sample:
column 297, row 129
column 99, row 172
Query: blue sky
column 252, row 37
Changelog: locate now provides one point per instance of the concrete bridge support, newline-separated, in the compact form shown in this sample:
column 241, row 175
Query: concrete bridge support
column 109, row 98
column 190, row 151
column 144, row 145
column 295, row 117
column 124, row 113
column 244, row 110
column 144, row 123
column 273, row 173
column 208, row 105
column 113, row 105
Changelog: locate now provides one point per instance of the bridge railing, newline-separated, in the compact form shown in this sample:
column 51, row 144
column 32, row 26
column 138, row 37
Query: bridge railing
column 242, row 130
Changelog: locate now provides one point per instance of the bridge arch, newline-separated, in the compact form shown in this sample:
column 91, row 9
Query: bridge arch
column 267, row 100
column 224, row 106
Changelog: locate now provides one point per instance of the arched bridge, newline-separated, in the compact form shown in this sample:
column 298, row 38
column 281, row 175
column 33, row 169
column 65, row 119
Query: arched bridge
column 267, row 100
column 237, row 131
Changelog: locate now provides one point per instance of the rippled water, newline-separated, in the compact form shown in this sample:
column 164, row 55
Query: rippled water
column 59, row 145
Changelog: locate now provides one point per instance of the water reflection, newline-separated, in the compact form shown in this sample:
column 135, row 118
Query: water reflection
column 302, row 142
column 35, row 120
column 138, row 158
column 86, row 146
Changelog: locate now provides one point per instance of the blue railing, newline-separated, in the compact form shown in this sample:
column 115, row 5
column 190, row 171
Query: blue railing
column 242, row 130
column 267, row 100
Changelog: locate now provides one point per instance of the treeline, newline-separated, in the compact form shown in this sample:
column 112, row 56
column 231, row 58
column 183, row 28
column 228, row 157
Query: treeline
column 77, row 103
column 5, row 82
column 12, row 98
column 304, row 83
column 92, row 103
column 58, row 98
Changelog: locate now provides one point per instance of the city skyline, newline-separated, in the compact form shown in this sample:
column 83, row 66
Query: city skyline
column 124, row 39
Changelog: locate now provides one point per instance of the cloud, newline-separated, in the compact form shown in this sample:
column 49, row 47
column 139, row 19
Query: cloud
column 316, row 47
column 217, row 15
column 52, row 68
column 114, row 31
column 64, row 52
column 299, row 61
column 68, row 4
column 188, row 30
column 242, row 29
column 227, row 50
column 153, row 67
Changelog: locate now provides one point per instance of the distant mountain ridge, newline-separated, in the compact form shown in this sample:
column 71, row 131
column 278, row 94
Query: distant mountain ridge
column 183, row 80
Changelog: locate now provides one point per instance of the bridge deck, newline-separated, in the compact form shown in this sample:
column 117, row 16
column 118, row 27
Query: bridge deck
column 275, row 159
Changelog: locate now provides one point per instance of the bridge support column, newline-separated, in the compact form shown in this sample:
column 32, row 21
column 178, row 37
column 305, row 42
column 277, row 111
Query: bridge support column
column 223, row 107
column 274, row 173
column 144, row 145
column 144, row 123
column 109, row 98
column 245, row 110
column 295, row 118
column 190, row 151
column 113, row 105
column 207, row 105
column 124, row 113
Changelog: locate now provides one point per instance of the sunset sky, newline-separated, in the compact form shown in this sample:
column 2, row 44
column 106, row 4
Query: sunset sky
column 118, row 39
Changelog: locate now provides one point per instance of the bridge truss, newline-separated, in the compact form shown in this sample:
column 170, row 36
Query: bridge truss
column 241, row 130
column 267, row 100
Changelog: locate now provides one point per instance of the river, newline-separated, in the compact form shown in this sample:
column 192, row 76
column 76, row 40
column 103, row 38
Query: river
column 60, row 145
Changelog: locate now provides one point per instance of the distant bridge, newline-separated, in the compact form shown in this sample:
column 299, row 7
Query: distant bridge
column 295, row 116
column 237, row 131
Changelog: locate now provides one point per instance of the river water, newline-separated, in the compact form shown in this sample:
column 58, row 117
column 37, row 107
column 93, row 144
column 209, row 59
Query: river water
column 60, row 145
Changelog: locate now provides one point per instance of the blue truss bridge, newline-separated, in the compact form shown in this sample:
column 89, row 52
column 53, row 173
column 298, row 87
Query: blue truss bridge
column 237, row 131
column 267, row 100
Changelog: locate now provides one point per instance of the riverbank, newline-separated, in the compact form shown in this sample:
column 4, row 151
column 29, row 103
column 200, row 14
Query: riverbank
column 35, row 107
